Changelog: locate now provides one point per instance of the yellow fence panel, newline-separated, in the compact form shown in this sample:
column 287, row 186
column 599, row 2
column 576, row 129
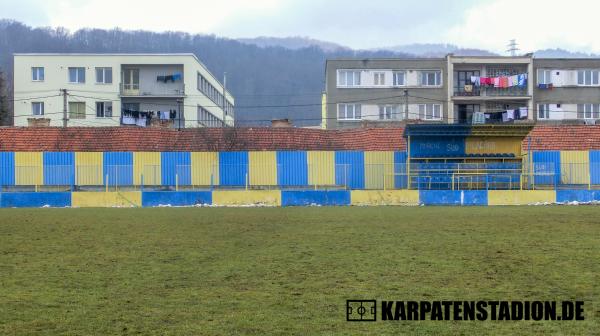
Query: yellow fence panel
column 124, row 199
column 88, row 168
column 486, row 145
column 247, row 197
column 520, row 197
column 321, row 167
column 205, row 168
column 384, row 197
column 146, row 168
column 29, row 168
column 574, row 167
column 379, row 170
column 262, row 168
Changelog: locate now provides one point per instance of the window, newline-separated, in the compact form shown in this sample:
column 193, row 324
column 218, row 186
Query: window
column 37, row 108
column 103, row 109
column 208, row 119
column 463, row 85
column 76, row 110
column 430, row 111
column 399, row 78
column 588, row 111
column 543, row 110
column 348, row 78
column 587, row 77
column 213, row 94
column 379, row 78
column 104, row 75
column 37, row 74
column 76, row 75
column 349, row 111
column 388, row 112
column 544, row 76
column 431, row 78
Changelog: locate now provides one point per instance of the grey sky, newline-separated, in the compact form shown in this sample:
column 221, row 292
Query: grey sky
column 484, row 24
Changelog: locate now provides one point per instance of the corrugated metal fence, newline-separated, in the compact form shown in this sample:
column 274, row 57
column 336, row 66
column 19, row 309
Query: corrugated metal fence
column 291, row 170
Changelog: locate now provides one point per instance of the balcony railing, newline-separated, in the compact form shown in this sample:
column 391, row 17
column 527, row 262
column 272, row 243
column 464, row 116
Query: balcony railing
column 135, row 90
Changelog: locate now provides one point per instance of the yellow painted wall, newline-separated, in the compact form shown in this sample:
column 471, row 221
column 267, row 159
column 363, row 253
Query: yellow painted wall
column 29, row 168
column 379, row 170
column 574, row 167
column 89, row 168
column 384, row 197
column 262, row 168
column 247, row 197
column 484, row 145
column 321, row 167
column 205, row 165
column 106, row 199
column 148, row 165
column 520, row 197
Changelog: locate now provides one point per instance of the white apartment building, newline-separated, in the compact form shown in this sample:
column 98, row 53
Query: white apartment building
column 170, row 90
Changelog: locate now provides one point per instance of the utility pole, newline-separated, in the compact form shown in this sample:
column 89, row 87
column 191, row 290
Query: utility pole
column 65, row 119
column 179, row 114
column 406, row 105
column 225, row 98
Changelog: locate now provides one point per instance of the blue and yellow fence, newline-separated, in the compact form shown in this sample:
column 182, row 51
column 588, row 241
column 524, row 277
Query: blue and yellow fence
column 292, row 170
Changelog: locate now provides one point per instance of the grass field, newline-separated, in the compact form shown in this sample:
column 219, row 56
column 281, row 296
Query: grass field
column 288, row 271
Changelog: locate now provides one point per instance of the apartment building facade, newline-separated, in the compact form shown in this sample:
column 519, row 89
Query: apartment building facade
column 381, row 92
column 143, row 90
column 521, row 89
column 567, row 90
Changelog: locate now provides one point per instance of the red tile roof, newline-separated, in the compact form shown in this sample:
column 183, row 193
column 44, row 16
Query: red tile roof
column 564, row 137
column 99, row 139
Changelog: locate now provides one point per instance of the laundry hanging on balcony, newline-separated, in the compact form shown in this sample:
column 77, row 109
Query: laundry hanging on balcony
column 170, row 78
column 519, row 80
column 546, row 86
column 516, row 114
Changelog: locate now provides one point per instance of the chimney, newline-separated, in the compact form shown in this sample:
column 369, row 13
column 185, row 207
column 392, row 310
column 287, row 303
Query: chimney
column 38, row 122
column 281, row 123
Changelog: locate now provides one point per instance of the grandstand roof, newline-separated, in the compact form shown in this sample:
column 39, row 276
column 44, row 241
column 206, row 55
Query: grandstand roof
column 98, row 139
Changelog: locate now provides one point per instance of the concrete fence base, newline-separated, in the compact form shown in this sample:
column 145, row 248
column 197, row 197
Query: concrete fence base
column 294, row 198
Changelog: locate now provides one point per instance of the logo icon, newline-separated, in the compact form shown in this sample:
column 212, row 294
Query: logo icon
column 361, row 310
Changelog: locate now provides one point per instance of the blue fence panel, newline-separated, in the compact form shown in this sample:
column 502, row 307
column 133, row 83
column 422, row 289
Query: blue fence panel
column 546, row 167
column 176, row 164
column 453, row 197
column 119, row 168
column 350, row 169
column 315, row 197
column 595, row 167
column 400, row 171
column 7, row 168
column 563, row 196
column 233, row 168
column 59, row 168
column 292, row 168
column 176, row 198
column 35, row 199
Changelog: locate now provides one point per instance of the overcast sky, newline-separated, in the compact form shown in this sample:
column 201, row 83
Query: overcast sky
column 535, row 24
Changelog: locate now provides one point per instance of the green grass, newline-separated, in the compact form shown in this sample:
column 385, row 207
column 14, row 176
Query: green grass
column 288, row 271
